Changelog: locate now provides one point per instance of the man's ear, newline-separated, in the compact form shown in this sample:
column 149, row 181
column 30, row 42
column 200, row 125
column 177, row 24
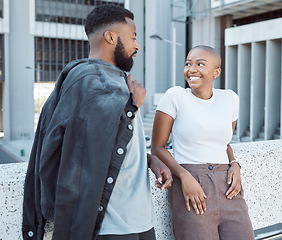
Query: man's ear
column 109, row 37
column 217, row 72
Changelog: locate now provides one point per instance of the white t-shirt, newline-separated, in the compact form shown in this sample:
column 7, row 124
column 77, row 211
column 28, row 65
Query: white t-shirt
column 202, row 128
column 130, row 208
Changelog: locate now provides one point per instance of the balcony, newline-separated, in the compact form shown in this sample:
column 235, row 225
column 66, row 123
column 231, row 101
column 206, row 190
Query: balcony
column 244, row 8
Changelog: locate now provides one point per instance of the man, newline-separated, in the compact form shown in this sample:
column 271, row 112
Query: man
column 88, row 169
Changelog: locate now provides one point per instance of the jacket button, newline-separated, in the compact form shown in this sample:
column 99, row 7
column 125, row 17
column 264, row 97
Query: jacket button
column 129, row 114
column 110, row 180
column 30, row 234
column 100, row 209
column 130, row 127
column 210, row 167
column 120, row 151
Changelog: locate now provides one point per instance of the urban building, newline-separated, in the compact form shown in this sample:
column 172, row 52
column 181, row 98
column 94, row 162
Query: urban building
column 39, row 37
column 248, row 35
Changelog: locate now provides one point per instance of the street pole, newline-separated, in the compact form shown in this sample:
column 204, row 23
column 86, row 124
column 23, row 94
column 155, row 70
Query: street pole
column 38, row 88
column 173, row 56
column 174, row 44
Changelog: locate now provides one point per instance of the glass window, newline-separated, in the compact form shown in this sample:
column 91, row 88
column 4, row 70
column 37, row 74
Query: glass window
column 67, row 11
column 52, row 54
column 258, row 17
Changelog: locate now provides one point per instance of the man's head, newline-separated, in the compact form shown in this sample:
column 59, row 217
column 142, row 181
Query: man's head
column 112, row 35
column 105, row 15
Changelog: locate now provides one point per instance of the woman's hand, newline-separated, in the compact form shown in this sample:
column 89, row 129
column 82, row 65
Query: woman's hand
column 233, row 178
column 193, row 191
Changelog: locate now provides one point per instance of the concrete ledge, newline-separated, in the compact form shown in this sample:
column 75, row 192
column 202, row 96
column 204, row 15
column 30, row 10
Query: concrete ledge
column 261, row 174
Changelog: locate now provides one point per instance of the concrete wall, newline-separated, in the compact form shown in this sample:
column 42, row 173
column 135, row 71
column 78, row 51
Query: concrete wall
column 261, row 178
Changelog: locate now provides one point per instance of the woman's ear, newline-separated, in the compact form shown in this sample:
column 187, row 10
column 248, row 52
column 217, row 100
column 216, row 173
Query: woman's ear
column 109, row 37
column 217, row 72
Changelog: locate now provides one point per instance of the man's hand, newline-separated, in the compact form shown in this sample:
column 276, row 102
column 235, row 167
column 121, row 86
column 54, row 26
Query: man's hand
column 137, row 89
column 233, row 178
column 161, row 171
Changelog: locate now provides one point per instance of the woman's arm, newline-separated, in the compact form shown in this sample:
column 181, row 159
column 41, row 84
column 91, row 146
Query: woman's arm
column 190, row 187
column 234, row 175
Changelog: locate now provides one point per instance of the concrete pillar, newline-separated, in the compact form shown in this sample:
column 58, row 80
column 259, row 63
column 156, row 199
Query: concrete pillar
column 231, row 68
column 231, row 76
column 244, row 77
column 273, row 87
column 19, row 81
column 158, row 54
column 138, row 70
column 257, row 88
column 281, row 94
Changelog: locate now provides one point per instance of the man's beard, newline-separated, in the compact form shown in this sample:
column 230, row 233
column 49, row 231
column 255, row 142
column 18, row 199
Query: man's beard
column 121, row 60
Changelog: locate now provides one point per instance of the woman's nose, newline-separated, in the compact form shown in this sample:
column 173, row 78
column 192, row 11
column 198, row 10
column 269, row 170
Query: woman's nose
column 193, row 68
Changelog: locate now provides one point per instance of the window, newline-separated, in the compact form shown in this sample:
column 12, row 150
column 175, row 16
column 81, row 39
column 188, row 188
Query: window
column 258, row 18
column 67, row 11
column 52, row 54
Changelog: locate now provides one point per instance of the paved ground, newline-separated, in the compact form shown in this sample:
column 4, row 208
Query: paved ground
column 14, row 151
column 6, row 157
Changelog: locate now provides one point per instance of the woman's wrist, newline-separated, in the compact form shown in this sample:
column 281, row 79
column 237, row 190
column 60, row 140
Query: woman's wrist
column 183, row 174
column 234, row 161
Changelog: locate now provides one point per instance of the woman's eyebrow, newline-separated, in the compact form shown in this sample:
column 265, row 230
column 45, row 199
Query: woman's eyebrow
column 198, row 60
column 201, row 59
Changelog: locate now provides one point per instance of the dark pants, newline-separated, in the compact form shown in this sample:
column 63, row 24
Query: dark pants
column 149, row 235
column 224, row 219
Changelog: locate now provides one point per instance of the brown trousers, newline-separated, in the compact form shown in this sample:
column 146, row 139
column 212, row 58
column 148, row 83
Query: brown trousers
column 223, row 220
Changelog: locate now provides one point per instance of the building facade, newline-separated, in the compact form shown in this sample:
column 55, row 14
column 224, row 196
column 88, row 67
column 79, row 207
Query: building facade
column 248, row 35
column 253, row 53
column 39, row 37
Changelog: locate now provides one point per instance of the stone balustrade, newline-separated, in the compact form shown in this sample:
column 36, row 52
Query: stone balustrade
column 261, row 179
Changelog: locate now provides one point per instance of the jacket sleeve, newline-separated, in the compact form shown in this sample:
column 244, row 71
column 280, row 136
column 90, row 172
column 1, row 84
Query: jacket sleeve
column 94, row 142
column 33, row 221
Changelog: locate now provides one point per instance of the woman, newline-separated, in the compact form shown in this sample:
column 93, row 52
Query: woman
column 206, row 175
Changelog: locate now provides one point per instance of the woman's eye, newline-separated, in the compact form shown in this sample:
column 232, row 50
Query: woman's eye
column 201, row 64
column 188, row 64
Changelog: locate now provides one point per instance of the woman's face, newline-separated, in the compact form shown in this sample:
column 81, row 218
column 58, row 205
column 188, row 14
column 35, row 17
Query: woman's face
column 201, row 68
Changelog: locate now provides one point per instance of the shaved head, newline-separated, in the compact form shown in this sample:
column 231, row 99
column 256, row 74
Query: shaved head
column 212, row 51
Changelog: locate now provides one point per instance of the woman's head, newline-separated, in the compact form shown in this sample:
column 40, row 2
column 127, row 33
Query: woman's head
column 202, row 67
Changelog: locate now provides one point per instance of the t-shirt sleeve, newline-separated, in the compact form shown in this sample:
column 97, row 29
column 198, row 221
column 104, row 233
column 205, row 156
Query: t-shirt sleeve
column 169, row 102
column 235, row 107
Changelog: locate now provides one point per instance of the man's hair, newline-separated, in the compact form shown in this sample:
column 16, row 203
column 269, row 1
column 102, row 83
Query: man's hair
column 105, row 15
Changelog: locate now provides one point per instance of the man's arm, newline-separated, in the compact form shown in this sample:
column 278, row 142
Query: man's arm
column 161, row 171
